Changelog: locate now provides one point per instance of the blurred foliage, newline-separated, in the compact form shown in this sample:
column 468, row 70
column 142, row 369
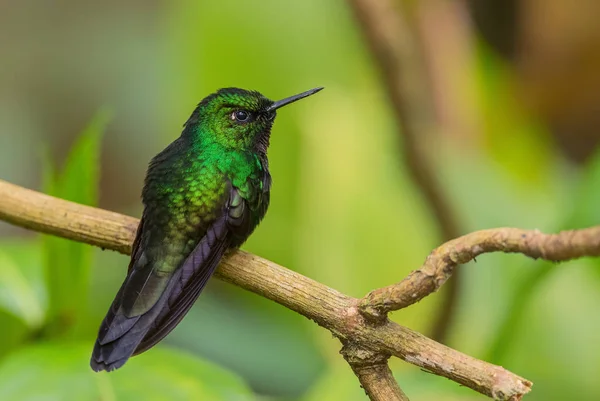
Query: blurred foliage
column 59, row 371
column 67, row 262
column 344, row 211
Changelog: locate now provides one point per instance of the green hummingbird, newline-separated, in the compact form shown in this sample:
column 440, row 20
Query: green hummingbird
column 203, row 194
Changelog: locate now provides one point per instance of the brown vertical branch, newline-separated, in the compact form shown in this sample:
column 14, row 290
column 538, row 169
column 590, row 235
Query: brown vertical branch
column 374, row 374
column 394, row 46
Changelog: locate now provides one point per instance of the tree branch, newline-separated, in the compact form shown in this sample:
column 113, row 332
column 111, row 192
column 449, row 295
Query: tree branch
column 396, row 51
column 327, row 307
column 374, row 374
column 443, row 260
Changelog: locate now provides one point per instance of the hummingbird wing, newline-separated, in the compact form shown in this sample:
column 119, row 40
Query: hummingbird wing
column 235, row 223
column 134, row 323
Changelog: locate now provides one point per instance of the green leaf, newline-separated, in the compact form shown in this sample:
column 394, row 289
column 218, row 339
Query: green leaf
column 67, row 262
column 59, row 371
column 17, row 295
column 21, row 283
column 22, row 292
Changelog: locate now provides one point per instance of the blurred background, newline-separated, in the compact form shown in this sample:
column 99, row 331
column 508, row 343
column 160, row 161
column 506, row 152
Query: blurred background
column 90, row 91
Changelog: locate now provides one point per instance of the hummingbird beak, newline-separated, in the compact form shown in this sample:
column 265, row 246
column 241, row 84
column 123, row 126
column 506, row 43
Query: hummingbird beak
column 292, row 99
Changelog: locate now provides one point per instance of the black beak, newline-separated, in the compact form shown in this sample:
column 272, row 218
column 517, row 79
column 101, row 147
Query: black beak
column 292, row 99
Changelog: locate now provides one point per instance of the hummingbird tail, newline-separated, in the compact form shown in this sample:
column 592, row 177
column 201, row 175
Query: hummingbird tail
column 119, row 335
column 139, row 317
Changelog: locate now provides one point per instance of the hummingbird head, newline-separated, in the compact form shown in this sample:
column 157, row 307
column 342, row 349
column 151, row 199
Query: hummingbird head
column 237, row 118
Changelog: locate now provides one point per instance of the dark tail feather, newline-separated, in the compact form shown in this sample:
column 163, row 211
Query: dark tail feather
column 120, row 335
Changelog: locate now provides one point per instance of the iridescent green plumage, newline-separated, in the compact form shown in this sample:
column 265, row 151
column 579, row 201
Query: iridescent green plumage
column 205, row 193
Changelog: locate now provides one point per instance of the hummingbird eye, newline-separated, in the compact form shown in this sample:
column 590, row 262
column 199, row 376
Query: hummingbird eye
column 241, row 116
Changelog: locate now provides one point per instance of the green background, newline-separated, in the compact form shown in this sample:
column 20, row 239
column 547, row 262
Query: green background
column 88, row 94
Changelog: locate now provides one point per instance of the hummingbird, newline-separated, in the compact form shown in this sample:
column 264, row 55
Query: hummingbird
column 203, row 195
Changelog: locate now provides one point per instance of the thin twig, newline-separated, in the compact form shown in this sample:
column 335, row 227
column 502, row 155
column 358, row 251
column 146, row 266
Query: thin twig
column 327, row 307
column 443, row 260
column 396, row 51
